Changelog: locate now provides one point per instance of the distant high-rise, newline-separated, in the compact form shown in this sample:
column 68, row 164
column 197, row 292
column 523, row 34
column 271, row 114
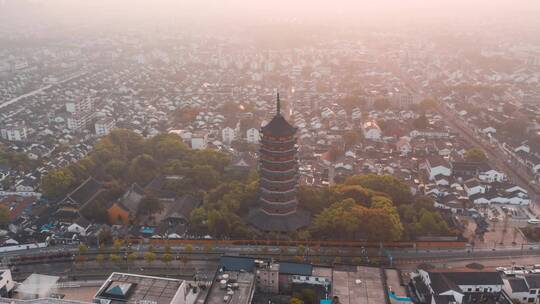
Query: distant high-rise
column 278, row 168
column 80, row 113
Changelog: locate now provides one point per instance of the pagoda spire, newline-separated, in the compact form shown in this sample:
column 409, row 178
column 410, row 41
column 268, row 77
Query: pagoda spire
column 278, row 105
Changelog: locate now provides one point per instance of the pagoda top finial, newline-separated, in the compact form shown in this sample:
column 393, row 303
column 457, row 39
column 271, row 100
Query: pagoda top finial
column 278, row 105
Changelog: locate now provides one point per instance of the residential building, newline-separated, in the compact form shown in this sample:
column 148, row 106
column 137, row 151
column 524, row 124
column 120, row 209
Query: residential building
column 199, row 140
column 14, row 131
column 104, row 126
column 135, row 288
column 371, row 130
column 523, row 288
column 253, row 136
column 436, row 165
column 466, row 287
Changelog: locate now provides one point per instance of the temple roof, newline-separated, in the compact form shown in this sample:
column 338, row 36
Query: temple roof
column 278, row 126
column 282, row 223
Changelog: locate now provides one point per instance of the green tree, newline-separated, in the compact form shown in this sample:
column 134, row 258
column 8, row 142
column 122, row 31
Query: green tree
column 351, row 138
column 427, row 104
column 314, row 199
column 358, row 193
column 396, row 189
column 4, row 215
column 115, row 258
column 57, row 183
column 117, row 245
column 142, row 169
column 149, row 257
column 301, row 249
column 476, row 155
column 337, row 221
column 80, row 259
column 116, row 168
column 131, row 257
column 100, row 258
column 421, row 123
column 308, row 295
column 165, row 147
column 83, row 249
column 105, row 236
column 166, row 258
column 215, row 159
column 296, row 301
column 186, row 115
column 204, row 176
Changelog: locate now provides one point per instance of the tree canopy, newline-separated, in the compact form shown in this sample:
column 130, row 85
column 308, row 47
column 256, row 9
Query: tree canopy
column 57, row 183
column 396, row 189
column 476, row 155
column 4, row 215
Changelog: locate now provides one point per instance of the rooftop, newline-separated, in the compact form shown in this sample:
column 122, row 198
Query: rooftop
column 37, row 286
column 358, row 284
column 238, row 287
column 132, row 288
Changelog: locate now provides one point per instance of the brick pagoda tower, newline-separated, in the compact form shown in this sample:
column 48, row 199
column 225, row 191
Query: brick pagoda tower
column 278, row 167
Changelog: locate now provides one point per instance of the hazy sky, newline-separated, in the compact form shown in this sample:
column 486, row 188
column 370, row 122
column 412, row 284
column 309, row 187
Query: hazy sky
column 128, row 13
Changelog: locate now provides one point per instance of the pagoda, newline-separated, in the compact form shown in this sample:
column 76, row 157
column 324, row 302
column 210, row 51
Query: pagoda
column 278, row 186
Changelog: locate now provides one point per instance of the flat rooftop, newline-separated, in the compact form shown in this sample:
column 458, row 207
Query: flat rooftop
column 37, row 286
column 358, row 284
column 133, row 288
column 242, row 295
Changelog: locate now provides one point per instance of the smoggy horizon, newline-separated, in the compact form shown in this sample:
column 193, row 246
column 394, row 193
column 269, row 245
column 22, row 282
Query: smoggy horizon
column 415, row 15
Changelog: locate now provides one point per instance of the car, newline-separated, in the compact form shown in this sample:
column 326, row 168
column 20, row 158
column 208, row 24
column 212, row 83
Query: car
column 533, row 221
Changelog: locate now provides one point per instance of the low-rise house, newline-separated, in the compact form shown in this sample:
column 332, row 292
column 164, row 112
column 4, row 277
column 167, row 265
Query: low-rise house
column 80, row 226
column 403, row 145
column 436, row 165
column 523, row 288
column 491, row 176
column 444, row 287
column 371, row 130
column 473, row 186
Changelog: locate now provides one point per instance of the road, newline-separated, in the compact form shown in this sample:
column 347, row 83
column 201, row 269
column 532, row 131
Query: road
column 34, row 92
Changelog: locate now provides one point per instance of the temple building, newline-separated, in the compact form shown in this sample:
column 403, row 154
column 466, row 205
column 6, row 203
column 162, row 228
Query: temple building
column 278, row 166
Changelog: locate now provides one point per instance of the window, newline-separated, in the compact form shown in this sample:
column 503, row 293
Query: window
column 477, row 289
column 531, row 300
column 533, row 291
column 470, row 289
